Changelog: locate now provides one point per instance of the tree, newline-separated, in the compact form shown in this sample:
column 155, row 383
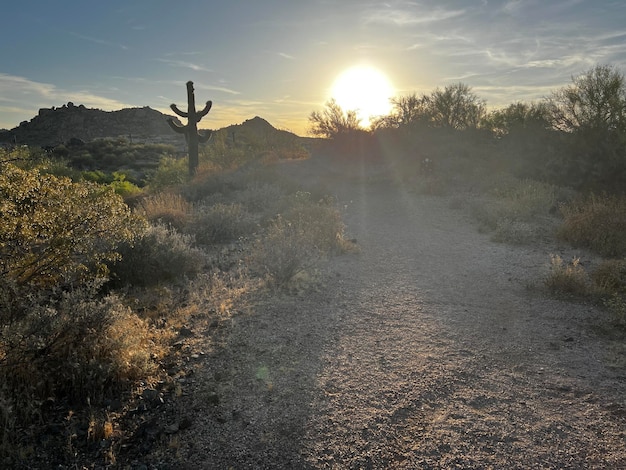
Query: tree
column 455, row 107
column 54, row 231
column 517, row 117
column 333, row 122
column 592, row 114
column 407, row 111
column 596, row 100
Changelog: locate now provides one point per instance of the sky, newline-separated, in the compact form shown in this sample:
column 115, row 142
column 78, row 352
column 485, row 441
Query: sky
column 278, row 59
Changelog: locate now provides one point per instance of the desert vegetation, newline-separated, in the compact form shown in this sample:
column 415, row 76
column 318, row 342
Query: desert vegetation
column 109, row 249
column 528, row 172
column 95, row 288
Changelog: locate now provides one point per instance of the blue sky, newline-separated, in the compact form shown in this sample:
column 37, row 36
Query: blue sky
column 278, row 58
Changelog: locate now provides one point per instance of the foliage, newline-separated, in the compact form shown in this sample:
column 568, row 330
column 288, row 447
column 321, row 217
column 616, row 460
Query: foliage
column 71, row 346
column 166, row 207
column 295, row 241
column 456, row 107
column 171, row 172
column 518, row 118
column 515, row 209
column 221, row 223
column 56, row 231
column 592, row 113
column 567, row 278
column 161, row 255
column 610, row 276
column 595, row 100
column 333, row 122
column 597, row 223
column 453, row 107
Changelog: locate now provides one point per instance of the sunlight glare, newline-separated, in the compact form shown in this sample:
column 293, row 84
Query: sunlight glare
column 365, row 90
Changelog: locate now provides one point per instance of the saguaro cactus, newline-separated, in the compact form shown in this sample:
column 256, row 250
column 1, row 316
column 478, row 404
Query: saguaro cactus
column 192, row 136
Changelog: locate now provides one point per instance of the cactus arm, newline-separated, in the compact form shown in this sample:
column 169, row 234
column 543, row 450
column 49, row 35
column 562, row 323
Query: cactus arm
column 204, row 137
column 177, row 127
column 178, row 111
column 205, row 111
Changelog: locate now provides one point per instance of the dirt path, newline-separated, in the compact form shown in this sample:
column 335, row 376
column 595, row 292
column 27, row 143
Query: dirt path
column 426, row 350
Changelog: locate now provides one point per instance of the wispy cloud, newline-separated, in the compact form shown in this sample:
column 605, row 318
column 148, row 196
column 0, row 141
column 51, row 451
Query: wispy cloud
column 409, row 15
column 102, row 42
column 286, row 56
column 184, row 64
column 31, row 95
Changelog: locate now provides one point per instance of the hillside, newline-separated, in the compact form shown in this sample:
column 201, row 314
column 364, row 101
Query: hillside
column 53, row 126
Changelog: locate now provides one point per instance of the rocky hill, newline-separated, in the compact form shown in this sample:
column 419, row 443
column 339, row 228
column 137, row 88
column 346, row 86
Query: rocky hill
column 53, row 126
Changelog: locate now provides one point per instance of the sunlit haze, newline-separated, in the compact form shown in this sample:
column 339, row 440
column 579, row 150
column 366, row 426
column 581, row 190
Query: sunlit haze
column 281, row 59
column 365, row 90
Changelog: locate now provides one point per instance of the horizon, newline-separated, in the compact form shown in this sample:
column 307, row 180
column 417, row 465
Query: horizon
column 281, row 61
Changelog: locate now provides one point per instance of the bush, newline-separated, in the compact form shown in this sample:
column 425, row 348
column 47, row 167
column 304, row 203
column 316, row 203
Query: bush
column 161, row 255
column 610, row 276
column 283, row 252
column 167, row 208
column 597, row 223
column 71, row 346
column 56, row 231
column 171, row 172
column 221, row 223
column 570, row 278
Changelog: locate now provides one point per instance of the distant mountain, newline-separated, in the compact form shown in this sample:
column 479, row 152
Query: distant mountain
column 53, row 126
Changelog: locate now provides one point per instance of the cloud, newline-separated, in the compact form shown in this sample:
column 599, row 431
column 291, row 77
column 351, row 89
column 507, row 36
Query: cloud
column 286, row 56
column 98, row 41
column 184, row 64
column 409, row 16
column 30, row 96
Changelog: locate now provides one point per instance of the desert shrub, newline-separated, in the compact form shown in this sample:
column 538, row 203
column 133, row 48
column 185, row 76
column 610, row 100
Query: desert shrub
column 171, row 172
column 73, row 346
column 597, row 223
column 161, row 255
column 56, row 231
column 167, row 208
column 318, row 222
column 260, row 196
column 610, row 276
column 567, row 278
column 221, row 223
column 514, row 209
column 283, row 252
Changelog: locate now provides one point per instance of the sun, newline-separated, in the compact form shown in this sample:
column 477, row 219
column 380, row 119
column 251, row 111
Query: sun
column 363, row 89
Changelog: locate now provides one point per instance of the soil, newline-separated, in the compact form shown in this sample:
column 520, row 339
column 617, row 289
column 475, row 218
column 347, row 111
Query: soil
column 432, row 347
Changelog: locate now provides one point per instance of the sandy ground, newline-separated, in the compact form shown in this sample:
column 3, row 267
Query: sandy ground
column 428, row 349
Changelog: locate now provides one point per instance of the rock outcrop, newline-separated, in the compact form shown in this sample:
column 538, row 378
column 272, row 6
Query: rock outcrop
column 53, row 126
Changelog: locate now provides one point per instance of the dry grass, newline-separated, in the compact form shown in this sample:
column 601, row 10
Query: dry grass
column 167, row 208
column 567, row 278
column 597, row 223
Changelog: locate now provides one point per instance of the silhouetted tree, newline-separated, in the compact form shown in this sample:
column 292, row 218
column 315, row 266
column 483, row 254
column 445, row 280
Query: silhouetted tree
column 595, row 100
column 592, row 113
column 455, row 107
column 333, row 121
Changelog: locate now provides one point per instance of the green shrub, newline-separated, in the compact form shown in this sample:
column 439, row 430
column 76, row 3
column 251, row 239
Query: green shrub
column 56, row 231
column 171, row 172
column 221, row 223
column 161, row 255
column 597, row 223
